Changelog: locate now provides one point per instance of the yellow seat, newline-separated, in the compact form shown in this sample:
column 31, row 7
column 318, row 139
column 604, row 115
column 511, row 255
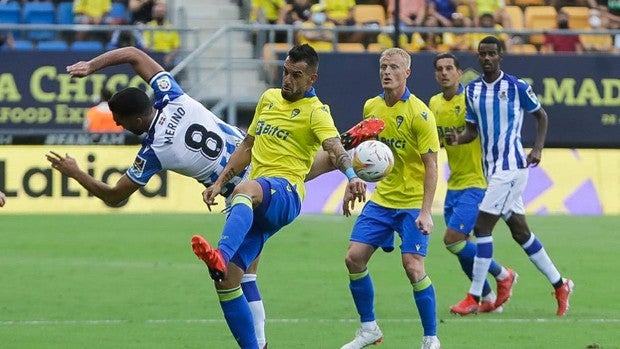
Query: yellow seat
column 369, row 14
column 516, row 16
column 526, row 3
column 539, row 17
column 578, row 16
column 374, row 47
column 350, row 47
column 597, row 42
column 524, row 49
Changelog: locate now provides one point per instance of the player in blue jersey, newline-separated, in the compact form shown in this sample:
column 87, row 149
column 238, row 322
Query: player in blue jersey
column 496, row 102
column 466, row 183
column 289, row 125
column 401, row 202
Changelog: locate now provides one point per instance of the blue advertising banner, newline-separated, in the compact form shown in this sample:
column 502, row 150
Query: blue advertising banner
column 581, row 94
column 36, row 93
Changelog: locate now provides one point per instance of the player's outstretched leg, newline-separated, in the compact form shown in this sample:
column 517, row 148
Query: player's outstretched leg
column 212, row 257
column 364, row 130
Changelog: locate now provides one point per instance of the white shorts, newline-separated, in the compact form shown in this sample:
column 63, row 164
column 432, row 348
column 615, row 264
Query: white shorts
column 504, row 193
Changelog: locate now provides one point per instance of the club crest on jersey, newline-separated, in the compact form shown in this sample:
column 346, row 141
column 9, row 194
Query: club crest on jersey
column 457, row 110
column 138, row 166
column 503, row 95
column 164, row 84
column 295, row 112
column 399, row 121
column 424, row 115
column 270, row 106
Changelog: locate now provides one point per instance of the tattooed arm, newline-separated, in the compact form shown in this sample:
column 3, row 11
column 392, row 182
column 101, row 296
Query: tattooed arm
column 239, row 160
column 356, row 188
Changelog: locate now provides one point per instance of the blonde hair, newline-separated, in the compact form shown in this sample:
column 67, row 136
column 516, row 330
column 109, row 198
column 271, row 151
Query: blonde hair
column 397, row 51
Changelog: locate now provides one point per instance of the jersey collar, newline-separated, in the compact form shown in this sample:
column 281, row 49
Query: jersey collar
column 403, row 98
column 310, row 93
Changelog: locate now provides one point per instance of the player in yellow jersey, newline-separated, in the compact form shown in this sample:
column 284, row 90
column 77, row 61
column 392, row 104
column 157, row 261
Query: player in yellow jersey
column 466, row 184
column 290, row 124
column 401, row 202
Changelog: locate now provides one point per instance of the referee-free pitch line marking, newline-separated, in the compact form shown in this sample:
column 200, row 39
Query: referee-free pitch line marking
column 289, row 321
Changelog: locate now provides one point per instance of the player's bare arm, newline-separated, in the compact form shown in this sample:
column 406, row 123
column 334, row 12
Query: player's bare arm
column 467, row 135
column 239, row 160
column 425, row 219
column 356, row 188
column 111, row 195
column 535, row 155
column 141, row 62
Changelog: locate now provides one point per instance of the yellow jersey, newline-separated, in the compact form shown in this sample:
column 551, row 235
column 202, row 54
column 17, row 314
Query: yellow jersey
column 287, row 135
column 410, row 131
column 464, row 160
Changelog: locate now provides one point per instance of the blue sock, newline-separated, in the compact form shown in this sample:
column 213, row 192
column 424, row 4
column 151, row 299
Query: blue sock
column 465, row 251
column 238, row 317
column 363, row 293
column 237, row 225
column 424, row 296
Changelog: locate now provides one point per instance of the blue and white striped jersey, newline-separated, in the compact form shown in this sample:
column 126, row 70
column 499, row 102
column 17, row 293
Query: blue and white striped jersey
column 497, row 109
column 186, row 138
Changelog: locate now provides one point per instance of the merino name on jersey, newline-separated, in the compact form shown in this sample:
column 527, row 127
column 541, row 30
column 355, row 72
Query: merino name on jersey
column 171, row 127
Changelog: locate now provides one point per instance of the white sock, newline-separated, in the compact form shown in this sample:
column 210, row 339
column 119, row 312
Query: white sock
column 369, row 325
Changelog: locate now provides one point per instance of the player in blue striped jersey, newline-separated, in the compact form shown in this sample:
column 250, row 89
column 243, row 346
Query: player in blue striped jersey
column 495, row 108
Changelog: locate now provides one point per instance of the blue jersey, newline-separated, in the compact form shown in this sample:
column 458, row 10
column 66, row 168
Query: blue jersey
column 186, row 138
column 497, row 109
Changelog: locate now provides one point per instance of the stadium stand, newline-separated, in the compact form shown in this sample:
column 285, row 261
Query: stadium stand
column 22, row 45
column 539, row 17
column 87, row 45
column 350, row 47
column 516, row 16
column 39, row 13
column 363, row 14
column 64, row 12
column 53, row 45
column 118, row 14
column 578, row 17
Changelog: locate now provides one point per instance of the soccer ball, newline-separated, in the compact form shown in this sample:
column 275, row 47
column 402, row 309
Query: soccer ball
column 372, row 160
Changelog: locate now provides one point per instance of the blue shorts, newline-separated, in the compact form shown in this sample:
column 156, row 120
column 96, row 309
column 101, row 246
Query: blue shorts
column 460, row 209
column 280, row 206
column 376, row 225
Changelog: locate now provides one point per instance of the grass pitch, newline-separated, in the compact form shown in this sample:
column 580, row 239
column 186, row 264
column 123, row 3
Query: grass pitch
column 132, row 281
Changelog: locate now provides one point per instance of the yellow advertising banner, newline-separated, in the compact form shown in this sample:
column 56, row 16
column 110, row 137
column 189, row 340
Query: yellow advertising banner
column 32, row 186
column 568, row 181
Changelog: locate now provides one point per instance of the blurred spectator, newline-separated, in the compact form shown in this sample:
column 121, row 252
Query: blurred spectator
column 425, row 41
column 496, row 8
column 90, row 12
column 609, row 12
column 458, row 41
column 164, row 41
column 296, row 13
column 6, row 39
column 597, row 42
column 339, row 12
column 140, row 11
column 99, row 118
column 443, row 10
column 562, row 42
column 266, row 11
column 488, row 21
column 412, row 12
column 317, row 32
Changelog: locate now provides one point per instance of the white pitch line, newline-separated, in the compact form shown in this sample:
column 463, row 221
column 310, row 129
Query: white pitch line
column 290, row 321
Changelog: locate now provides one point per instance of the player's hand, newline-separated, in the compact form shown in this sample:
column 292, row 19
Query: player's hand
column 451, row 137
column 80, row 69
column 65, row 165
column 424, row 222
column 356, row 190
column 209, row 195
column 534, row 157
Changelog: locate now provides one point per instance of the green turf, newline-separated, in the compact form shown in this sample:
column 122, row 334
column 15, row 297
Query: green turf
column 131, row 281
